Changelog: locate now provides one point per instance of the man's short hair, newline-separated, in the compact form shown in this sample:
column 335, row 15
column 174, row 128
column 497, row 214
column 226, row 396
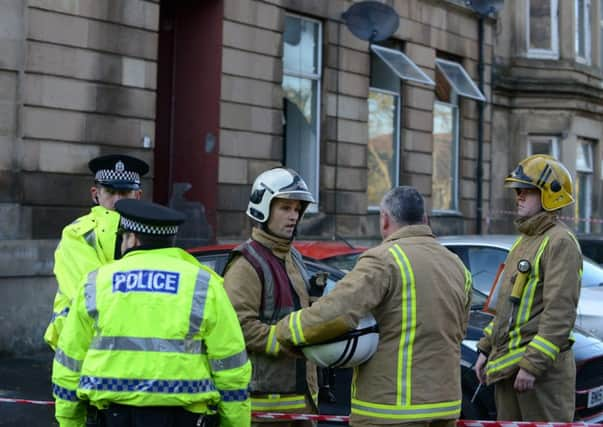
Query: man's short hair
column 150, row 241
column 405, row 204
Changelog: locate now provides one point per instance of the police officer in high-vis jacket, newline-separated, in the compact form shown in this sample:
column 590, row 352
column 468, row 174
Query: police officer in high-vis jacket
column 419, row 294
column 90, row 241
column 526, row 351
column 152, row 339
column 266, row 280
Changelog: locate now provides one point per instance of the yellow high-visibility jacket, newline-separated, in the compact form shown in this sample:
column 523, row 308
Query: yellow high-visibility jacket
column 419, row 293
column 86, row 244
column 531, row 334
column 155, row 328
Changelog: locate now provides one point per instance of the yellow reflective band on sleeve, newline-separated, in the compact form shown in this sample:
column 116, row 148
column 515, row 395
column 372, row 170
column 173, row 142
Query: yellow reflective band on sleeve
column 527, row 299
column 545, row 346
column 408, row 327
column 272, row 344
column 511, row 358
column 276, row 402
column 297, row 335
column 425, row 411
column 468, row 281
column 488, row 329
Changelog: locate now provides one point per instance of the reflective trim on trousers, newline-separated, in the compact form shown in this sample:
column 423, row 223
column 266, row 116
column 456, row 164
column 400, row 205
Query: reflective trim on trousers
column 450, row 409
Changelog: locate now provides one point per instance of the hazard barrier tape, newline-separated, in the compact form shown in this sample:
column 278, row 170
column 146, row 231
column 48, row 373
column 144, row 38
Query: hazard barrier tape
column 345, row 419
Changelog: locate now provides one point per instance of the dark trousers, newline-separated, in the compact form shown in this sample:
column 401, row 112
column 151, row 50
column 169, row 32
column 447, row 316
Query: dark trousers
column 148, row 416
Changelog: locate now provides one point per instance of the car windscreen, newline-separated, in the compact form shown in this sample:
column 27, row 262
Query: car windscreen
column 592, row 274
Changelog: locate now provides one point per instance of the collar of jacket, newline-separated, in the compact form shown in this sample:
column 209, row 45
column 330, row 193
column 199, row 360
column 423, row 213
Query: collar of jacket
column 173, row 252
column 415, row 230
column 536, row 224
column 279, row 246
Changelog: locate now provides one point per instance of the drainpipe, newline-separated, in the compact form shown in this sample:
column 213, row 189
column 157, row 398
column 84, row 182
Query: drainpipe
column 479, row 170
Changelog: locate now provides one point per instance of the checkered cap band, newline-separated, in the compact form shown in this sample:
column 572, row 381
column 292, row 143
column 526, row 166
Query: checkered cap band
column 148, row 386
column 109, row 175
column 138, row 227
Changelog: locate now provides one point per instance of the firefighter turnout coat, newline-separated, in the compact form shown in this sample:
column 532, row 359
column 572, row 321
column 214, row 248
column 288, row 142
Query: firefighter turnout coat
column 532, row 332
column 155, row 328
column 419, row 293
column 281, row 379
column 85, row 245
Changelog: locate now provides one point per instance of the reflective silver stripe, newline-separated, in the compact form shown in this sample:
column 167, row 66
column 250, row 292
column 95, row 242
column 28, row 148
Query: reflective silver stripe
column 198, row 306
column 90, row 238
column 419, row 412
column 68, row 362
column 90, row 294
column 230, row 362
column 268, row 293
column 148, row 344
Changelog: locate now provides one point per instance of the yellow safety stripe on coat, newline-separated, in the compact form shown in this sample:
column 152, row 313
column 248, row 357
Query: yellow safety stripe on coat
column 515, row 243
column 409, row 324
column 545, row 346
column 488, row 329
column 579, row 249
column 468, row 281
column 527, row 298
column 511, row 358
column 276, row 402
column 450, row 409
column 272, row 344
column 297, row 334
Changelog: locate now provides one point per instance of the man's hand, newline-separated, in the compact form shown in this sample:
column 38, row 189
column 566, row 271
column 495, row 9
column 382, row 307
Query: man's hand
column 480, row 368
column 524, row 381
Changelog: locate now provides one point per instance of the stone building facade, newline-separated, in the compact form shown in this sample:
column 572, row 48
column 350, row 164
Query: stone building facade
column 211, row 93
column 548, row 98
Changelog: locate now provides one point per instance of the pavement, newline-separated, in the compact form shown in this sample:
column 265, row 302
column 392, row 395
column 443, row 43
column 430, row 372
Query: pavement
column 28, row 377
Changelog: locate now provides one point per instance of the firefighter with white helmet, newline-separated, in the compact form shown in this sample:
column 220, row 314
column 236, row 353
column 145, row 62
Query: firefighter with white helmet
column 419, row 295
column 266, row 280
column 526, row 351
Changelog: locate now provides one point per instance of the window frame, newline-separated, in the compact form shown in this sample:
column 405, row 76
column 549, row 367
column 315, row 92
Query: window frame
column 397, row 142
column 552, row 139
column 456, row 156
column 589, row 173
column 538, row 53
column 587, row 32
column 317, row 77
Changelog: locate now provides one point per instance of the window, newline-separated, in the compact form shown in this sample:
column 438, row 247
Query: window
column 388, row 66
column 542, row 30
column 452, row 81
column 583, row 37
column 584, row 184
column 301, row 87
column 543, row 145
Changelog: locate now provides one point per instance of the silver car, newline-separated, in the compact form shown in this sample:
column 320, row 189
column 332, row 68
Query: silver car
column 484, row 254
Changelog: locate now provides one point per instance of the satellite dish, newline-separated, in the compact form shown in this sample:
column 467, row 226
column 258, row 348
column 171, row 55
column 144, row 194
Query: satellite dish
column 485, row 7
column 371, row 20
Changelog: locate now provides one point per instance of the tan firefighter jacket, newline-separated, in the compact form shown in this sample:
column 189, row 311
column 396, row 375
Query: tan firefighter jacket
column 531, row 334
column 419, row 293
column 275, row 369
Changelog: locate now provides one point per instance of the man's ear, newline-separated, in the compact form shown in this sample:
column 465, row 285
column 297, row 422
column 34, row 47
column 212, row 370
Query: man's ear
column 138, row 195
column 94, row 194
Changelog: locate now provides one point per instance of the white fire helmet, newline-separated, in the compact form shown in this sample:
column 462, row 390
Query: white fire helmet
column 279, row 183
column 348, row 350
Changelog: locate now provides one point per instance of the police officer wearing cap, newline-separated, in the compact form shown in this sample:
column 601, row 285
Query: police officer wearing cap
column 90, row 241
column 152, row 338
column 526, row 351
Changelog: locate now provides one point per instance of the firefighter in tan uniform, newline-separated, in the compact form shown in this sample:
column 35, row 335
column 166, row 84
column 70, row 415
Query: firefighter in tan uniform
column 266, row 280
column 526, row 351
column 419, row 294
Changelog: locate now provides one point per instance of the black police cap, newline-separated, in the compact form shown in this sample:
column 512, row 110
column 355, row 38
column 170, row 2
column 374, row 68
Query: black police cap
column 118, row 171
column 139, row 216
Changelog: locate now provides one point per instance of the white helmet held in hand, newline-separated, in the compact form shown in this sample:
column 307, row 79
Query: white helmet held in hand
column 276, row 183
column 348, row 350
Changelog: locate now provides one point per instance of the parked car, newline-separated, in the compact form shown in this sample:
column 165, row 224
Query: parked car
column 588, row 351
column 592, row 246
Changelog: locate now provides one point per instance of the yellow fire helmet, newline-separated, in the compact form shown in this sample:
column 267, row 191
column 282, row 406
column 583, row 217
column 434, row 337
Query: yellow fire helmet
column 548, row 175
